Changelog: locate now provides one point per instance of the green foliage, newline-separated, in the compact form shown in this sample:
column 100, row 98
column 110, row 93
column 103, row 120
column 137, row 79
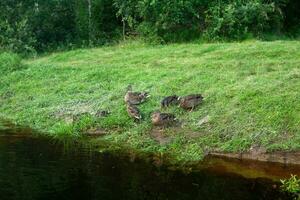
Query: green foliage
column 239, row 19
column 103, row 21
column 164, row 20
column 43, row 25
column 17, row 37
column 182, row 20
column 292, row 186
column 292, row 17
column 127, row 10
column 52, row 23
column 9, row 62
column 106, row 26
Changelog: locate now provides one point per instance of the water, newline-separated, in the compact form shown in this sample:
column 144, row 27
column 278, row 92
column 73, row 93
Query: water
column 36, row 168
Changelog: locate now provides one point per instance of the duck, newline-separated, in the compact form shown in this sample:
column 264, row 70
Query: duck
column 189, row 102
column 134, row 112
column 170, row 100
column 162, row 119
column 135, row 98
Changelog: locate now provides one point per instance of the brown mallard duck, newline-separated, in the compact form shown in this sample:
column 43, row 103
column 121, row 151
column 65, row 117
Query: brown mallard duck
column 135, row 98
column 162, row 119
column 134, row 112
column 190, row 102
column 170, row 100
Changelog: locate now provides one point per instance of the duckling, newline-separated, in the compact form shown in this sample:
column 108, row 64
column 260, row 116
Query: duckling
column 135, row 98
column 190, row 102
column 170, row 100
column 162, row 119
column 134, row 112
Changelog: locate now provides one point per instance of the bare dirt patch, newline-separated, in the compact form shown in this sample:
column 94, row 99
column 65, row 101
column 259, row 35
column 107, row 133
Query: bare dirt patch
column 261, row 155
column 160, row 136
column 96, row 132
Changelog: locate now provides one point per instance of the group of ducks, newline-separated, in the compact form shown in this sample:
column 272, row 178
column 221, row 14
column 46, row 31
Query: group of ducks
column 132, row 99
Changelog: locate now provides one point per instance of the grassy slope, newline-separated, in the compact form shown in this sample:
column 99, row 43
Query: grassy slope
column 251, row 89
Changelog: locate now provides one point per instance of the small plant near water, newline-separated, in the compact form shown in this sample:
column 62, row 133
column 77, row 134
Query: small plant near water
column 291, row 186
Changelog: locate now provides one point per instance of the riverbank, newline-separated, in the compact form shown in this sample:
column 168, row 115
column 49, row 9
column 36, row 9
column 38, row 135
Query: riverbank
column 32, row 160
column 274, row 168
column 251, row 92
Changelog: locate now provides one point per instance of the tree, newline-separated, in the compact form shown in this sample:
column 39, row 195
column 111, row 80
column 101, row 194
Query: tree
column 90, row 20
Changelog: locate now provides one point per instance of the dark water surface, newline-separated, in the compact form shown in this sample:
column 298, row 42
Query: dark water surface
column 36, row 168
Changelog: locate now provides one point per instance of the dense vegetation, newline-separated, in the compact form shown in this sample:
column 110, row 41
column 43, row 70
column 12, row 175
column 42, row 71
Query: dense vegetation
column 29, row 26
column 251, row 92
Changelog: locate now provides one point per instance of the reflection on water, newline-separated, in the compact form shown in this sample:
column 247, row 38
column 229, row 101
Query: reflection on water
column 32, row 168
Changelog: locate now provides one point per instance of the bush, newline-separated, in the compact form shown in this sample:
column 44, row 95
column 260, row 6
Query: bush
column 31, row 25
column 238, row 19
column 9, row 62
column 162, row 20
column 182, row 20
column 17, row 37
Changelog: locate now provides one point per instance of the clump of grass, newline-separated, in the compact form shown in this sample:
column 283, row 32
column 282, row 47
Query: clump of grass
column 291, row 186
column 9, row 62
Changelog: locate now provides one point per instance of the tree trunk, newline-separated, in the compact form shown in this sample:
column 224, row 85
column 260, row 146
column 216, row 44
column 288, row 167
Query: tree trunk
column 124, row 27
column 90, row 20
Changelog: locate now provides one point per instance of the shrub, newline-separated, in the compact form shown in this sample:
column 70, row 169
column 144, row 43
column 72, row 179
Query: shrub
column 238, row 19
column 31, row 25
column 17, row 37
column 167, row 20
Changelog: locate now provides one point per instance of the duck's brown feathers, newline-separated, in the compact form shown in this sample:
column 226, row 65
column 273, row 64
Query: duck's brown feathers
column 162, row 119
column 190, row 101
column 134, row 112
column 135, row 98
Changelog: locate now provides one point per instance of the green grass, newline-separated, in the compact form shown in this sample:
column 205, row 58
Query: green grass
column 251, row 90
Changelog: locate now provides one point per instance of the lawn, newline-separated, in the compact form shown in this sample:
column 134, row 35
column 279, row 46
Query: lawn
column 251, row 95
